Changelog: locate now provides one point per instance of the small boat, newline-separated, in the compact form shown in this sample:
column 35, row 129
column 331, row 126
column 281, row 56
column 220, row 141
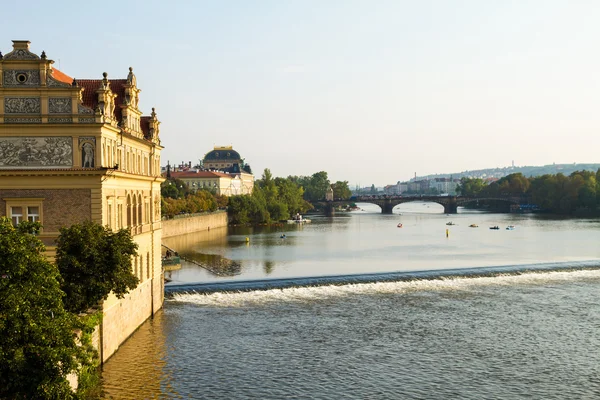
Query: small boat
column 400, row 225
column 510, row 227
column 283, row 236
column 496, row 227
column 450, row 223
column 298, row 221
column 473, row 226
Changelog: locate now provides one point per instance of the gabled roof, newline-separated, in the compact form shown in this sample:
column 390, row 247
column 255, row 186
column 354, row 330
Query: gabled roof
column 61, row 76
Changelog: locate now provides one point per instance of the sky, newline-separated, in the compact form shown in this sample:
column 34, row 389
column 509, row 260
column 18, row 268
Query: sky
column 370, row 91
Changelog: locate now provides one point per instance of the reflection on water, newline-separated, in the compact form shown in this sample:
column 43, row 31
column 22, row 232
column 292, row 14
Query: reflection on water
column 370, row 242
column 138, row 370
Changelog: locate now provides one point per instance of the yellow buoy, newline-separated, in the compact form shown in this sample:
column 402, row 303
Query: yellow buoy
column 247, row 239
column 447, row 232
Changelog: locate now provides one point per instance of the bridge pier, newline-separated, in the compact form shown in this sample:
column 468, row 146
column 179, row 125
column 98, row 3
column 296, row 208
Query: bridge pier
column 387, row 207
column 451, row 207
column 329, row 209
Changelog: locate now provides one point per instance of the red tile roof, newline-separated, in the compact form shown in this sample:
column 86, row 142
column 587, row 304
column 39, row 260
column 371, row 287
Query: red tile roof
column 199, row 174
column 61, row 76
column 90, row 98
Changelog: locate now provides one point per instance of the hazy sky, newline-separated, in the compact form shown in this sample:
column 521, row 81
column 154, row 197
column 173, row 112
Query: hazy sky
column 370, row 91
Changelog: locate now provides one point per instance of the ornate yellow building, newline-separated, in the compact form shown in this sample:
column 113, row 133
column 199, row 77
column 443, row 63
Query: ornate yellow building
column 74, row 150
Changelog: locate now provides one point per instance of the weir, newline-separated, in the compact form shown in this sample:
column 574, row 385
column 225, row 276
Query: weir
column 398, row 276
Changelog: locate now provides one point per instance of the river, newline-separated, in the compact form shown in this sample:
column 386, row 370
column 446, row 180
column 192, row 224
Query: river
column 438, row 331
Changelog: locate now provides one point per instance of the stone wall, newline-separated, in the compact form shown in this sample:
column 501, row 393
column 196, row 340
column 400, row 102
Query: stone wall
column 200, row 223
column 121, row 318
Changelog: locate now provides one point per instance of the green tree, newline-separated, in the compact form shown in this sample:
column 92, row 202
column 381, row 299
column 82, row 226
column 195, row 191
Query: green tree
column 93, row 261
column 341, row 190
column 37, row 341
column 174, row 189
column 470, row 186
column 316, row 186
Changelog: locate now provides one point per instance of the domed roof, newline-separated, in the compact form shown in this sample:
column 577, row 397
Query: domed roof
column 224, row 153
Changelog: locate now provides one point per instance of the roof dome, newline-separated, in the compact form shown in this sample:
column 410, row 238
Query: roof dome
column 227, row 154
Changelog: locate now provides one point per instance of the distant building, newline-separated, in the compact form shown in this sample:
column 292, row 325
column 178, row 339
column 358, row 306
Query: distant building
column 445, row 185
column 224, row 158
column 222, row 170
column 222, row 183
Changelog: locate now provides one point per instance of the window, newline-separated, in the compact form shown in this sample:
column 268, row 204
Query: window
column 24, row 209
column 16, row 215
column 33, row 213
column 109, row 216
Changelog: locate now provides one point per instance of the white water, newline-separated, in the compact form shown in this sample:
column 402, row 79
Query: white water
column 307, row 294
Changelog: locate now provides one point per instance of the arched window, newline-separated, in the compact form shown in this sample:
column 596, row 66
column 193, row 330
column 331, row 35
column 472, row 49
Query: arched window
column 129, row 207
column 140, row 221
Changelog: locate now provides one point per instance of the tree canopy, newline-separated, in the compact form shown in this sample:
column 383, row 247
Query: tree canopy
column 37, row 340
column 272, row 199
column 93, row 261
column 557, row 193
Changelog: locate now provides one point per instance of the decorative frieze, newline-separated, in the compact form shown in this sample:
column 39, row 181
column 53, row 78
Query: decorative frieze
column 61, row 120
column 35, row 120
column 21, row 78
column 87, row 120
column 21, row 54
column 36, row 152
column 81, row 109
column 59, row 105
column 22, row 105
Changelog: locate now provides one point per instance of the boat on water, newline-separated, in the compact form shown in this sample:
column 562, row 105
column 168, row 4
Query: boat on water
column 450, row 223
column 496, row 227
column 399, row 225
column 298, row 221
column 473, row 226
column 510, row 227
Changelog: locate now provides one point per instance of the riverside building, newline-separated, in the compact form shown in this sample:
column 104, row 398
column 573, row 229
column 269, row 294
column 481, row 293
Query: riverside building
column 80, row 149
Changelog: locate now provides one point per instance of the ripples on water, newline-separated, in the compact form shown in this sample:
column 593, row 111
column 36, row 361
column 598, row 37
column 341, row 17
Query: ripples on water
column 533, row 335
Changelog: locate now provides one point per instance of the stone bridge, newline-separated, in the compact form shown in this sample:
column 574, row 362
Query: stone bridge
column 387, row 203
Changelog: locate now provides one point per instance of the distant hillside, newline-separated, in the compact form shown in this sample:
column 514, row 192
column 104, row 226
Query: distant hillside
column 528, row 171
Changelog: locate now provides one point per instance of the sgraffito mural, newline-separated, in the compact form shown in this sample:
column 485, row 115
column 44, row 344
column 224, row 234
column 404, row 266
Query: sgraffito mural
column 36, row 152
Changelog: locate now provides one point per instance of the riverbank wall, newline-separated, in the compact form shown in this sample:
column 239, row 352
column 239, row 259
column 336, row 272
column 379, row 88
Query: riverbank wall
column 183, row 224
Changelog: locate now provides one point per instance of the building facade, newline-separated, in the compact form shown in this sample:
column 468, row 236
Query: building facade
column 227, row 184
column 80, row 149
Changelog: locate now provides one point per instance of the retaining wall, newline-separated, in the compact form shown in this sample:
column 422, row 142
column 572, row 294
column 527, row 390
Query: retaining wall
column 194, row 223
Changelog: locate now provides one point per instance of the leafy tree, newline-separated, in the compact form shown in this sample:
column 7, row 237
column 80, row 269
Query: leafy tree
column 93, row 261
column 341, row 190
column 316, row 186
column 470, row 186
column 373, row 189
column 37, row 341
column 273, row 199
column 174, row 189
